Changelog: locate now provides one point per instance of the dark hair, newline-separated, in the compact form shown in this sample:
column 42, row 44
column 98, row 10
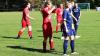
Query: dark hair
column 58, row 5
column 25, row 4
column 45, row 4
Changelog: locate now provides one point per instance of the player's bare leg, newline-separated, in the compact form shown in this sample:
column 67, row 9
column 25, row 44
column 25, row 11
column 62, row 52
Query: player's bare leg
column 30, row 31
column 57, row 27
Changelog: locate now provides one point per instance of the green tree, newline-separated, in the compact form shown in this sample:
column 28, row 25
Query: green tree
column 97, row 3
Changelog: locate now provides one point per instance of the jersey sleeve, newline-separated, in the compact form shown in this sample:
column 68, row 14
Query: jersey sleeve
column 59, row 12
column 44, row 11
column 64, row 15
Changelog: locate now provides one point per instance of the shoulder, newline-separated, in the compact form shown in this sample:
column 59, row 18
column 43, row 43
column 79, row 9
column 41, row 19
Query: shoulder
column 65, row 12
column 26, row 10
column 46, row 8
column 58, row 9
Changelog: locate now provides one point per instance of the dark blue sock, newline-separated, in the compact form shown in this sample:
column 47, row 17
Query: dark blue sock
column 65, row 46
column 72, row 45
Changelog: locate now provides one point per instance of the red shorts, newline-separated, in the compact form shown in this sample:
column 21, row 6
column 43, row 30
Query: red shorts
column 47, row 29
column 25, row 23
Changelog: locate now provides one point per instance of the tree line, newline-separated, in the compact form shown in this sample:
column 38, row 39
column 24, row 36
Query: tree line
column 93, row 3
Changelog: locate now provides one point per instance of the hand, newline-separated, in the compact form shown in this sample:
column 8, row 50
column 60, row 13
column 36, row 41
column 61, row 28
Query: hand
column 67, row 30
column 79, row 16
column 32, row 18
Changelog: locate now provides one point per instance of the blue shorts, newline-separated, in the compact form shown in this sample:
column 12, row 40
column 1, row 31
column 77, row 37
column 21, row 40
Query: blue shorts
column 69, row 33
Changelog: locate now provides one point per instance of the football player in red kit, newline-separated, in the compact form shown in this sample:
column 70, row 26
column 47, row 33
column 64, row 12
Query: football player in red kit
column 59, row 12
column 47, row 25
column 26, row 20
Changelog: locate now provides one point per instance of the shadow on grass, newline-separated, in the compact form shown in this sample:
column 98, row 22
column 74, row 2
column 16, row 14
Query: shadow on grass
column 40, row 36
column 24, row 48
column 57, row 37
column 42, row 31
column 10, row 37
column 97, row 20
column 56, row 32
column 33, row 50
column 39, row 30
column 53, row 37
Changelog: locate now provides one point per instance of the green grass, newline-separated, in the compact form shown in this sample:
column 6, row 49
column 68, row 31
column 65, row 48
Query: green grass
column 10, row 23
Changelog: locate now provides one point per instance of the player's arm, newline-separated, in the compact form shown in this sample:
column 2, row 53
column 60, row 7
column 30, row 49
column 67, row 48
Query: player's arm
column 65, row 24
column 50, row 11
column 79, row 13
column 29, row 16
column 64, row 18
column 73, row 17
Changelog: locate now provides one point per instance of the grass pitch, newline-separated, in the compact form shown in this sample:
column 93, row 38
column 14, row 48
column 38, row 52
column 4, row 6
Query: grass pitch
column 10, row 23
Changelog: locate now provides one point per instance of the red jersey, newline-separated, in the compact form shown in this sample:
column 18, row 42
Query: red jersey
column 59, row 13
column 47, row 26
column 46, row 15
column 25, row 13
column 25, row 19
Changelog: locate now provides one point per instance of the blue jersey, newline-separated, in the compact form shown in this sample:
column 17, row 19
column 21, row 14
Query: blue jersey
column 67, row 17
column 69, row 21
column 76, row 12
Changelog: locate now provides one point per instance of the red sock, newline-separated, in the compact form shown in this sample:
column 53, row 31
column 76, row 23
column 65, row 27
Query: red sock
column 44, row 46
column 51, row 44
column 30, row 33
column 20, row 33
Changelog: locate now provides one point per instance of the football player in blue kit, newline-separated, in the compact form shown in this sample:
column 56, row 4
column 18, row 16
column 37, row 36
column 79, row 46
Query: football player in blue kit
column 76, row 13
column 68, row 28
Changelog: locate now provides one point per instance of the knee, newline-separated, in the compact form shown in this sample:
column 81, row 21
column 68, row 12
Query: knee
column 50, row 38
column 45, row 40
column 66, row 38
column 59, row 24
column 72, row 37
column 30, row 28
